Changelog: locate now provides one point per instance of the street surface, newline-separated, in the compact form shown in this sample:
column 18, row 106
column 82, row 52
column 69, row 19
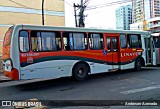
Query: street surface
column 120, row 85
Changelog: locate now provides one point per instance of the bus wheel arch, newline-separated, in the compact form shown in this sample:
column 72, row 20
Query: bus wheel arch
column 139, row 63
column 80, row 71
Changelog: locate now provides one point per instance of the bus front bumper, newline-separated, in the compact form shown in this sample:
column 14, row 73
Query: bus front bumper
column 13, row 74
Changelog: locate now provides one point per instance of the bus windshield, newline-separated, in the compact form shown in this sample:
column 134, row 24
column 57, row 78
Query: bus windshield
column 7, row 38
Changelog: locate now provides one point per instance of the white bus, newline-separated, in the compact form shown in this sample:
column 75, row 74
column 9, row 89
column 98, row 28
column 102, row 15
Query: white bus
column 31, row 51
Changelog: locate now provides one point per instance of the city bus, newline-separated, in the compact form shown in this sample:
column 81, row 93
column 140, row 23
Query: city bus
column 156, row 38
column 32, row 51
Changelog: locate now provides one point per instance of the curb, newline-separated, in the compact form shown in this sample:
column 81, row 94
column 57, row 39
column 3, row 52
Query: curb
column 4, row 79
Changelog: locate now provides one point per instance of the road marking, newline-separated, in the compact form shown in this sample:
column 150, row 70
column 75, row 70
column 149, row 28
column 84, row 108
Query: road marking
column 140, row 90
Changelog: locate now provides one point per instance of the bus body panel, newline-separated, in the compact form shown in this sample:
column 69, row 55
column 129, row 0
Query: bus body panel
column 58, row 64
column 15, row 49
column 48, row 69
column 128, row 66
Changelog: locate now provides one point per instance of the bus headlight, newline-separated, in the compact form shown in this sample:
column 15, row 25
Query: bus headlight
column 7, row 65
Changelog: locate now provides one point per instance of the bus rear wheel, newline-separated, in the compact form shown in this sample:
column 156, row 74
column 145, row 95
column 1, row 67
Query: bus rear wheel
column 80, row 72
column 138, row 64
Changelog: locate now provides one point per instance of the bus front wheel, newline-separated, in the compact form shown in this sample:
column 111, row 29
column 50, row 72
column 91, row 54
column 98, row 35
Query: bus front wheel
column 138, row 64
column 80, row 72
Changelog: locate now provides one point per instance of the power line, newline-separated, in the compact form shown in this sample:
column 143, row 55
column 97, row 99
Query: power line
column 20, row 4
column 86, row 2
column 108, row 4
column 68, row 3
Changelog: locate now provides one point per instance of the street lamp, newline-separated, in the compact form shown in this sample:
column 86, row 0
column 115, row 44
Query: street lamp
column 42, row 12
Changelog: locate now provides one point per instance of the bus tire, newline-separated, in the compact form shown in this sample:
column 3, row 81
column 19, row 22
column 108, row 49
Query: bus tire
column 80, row 72
column 138, row 64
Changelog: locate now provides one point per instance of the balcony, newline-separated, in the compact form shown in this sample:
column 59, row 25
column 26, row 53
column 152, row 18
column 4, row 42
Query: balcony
column 153, row 22
column 154, row 25
column 157, row 30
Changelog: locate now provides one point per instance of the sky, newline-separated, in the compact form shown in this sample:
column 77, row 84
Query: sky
column 96, row 18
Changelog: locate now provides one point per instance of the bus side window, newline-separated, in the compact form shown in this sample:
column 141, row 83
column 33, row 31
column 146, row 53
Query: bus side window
column 66, row 41
column 134, row 41
column 123, row 41
column 157, row 42
column 45, row 41
column 23, row 41
column 96, row 41
column 35, row 40
column 114, row 43
column 109, row 44
column 74, row 41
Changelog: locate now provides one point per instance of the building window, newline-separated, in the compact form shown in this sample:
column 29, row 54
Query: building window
column 45, row 41
column 23, row 41
column 96, row 41
column 74, row 41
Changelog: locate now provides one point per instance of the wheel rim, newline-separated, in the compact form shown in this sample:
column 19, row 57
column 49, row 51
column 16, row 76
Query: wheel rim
column 81, row 72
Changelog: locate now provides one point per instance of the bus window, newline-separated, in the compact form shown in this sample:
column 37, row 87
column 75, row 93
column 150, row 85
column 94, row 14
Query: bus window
column 123, row 41
column 109, row 44
column 23, row 41
column 134, row 41
column 115, row 46
column 157, row 42
column 45, row 41
column 96, row 41
column 48, row 41
column 74, row 41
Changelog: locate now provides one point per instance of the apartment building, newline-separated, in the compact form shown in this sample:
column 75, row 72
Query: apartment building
column 145, row 15
column 124, row 17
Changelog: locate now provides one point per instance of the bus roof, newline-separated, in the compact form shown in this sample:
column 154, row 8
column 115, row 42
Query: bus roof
column 78, row 29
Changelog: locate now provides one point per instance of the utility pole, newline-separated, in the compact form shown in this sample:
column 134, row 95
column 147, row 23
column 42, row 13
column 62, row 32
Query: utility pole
column 81, row 7
column 75, row 14
column 81, row 15
column 42, row 12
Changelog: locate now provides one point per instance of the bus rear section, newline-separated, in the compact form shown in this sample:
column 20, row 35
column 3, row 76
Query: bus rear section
column 8, row 68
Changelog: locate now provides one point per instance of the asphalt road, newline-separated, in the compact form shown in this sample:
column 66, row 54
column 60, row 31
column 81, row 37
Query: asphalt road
column 121, row 85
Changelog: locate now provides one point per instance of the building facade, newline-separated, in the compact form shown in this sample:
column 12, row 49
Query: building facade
column 30, row 12
column 153, row 25
column 155, row 8
column 146, row 15
column 139, row 8
column 124, row 17
column 145, row 9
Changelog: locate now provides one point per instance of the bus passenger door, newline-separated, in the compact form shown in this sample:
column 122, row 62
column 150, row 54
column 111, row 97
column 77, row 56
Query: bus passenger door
column 150, row 51
column 112, row 53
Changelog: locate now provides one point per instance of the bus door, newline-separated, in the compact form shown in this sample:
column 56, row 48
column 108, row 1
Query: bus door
column 157, row 48
column 112, row 52
column 150, row 51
